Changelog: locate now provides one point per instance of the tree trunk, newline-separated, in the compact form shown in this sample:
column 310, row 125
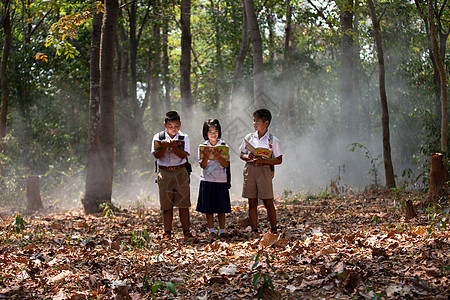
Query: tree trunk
column 4, row 64
column 106, row 133
column 388, row 168
column 443, row 36
column 185, row 62
column 165, row 64
column 105, row 171
column 240, row 59
column 438, row 177
column 443, row 79
column 347, row 73
column 90, row 197
column 289, row 90
column 4, row 74
column 34, row 201
column 258, row 66
column 154, row 74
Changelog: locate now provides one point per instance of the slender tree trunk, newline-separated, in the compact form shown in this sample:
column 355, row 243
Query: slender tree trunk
column 106, row 133
column 240, row 59
column 443, row 36
column 388, row 168
column 165, row 64
column 4, row 74
column 155, row 71
column 218, row 45
column 289, row 90
column 133, row 58
column 258, row 66
column 89, row 200
column 347, row 74
column 105, row 170
column 185, row 62
column 443, row 79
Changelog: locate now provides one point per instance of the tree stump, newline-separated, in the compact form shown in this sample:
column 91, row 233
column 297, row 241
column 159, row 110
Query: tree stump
column 410, row 211
column 34, row 201
column 438, row 177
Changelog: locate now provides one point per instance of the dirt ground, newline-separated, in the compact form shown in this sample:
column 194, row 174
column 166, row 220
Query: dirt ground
column 345, row 247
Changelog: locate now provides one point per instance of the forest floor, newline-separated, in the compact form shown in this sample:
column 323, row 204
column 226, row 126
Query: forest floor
column 345, row 247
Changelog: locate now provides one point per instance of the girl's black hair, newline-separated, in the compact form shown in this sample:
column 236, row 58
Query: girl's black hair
column 211, row 123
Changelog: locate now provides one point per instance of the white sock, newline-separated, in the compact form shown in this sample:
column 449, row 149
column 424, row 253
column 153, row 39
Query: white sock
column 221, row 231
column 212, row 230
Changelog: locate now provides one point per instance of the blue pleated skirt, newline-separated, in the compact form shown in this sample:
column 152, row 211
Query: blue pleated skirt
column 213, row 198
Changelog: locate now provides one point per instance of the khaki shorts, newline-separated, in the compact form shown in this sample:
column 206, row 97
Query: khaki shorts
column 257, row 182
column 174, row 189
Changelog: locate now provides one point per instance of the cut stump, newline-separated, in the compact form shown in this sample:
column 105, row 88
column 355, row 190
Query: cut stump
column 410, row 211
column 34, row 201
column 438, row 177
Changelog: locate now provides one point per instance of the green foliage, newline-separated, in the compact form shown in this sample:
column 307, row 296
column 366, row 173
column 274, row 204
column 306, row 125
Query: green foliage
column 437, row 220
column 19, row 223
column 262, row 274
column 156, row 286
column 140, row 239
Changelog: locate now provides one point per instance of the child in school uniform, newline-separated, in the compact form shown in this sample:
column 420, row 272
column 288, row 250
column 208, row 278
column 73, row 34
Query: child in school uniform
column 173, row 178
column 258, row 170
column 214, row 197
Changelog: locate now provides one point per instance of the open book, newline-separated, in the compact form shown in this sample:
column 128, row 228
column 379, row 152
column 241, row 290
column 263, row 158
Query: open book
column 180, row 144
column 263, row 152
column 224, row 151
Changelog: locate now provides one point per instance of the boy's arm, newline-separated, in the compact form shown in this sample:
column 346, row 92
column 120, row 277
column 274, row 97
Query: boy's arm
column 247, row 157
column 269, row 161
column 178, row 152
column 160, row 152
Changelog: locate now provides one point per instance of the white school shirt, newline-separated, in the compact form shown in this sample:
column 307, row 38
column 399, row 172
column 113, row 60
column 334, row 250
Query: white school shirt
column 220, row 173
column 170, row 158
column 262, row 142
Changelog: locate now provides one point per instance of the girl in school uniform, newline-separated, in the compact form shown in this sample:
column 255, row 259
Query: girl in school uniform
column 214, row 197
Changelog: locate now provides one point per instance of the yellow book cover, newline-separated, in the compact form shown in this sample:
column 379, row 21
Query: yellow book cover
column 264, row 152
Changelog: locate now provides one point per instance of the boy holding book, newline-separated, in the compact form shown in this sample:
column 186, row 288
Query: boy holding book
column 261, row 151
column 171, row 148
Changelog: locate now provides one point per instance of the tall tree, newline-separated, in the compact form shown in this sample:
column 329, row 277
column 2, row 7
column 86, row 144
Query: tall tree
column 105, row 165
column 347, row 72
column 442, row 30
column 258, row 63
column 185, row 61
column 3, row 72
column 288, row 91
column 388, row 167
column 165, row 63
column 90, row 198
column 240, row 59
column 442, row 76
column 4, row 62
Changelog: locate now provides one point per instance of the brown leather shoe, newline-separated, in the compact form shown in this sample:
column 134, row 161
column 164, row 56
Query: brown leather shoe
column 167, row 236
column 189, row 237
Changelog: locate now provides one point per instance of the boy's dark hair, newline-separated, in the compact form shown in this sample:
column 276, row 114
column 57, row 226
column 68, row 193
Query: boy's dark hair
column 263, row 114
column 211, row 123
column 172, row 116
